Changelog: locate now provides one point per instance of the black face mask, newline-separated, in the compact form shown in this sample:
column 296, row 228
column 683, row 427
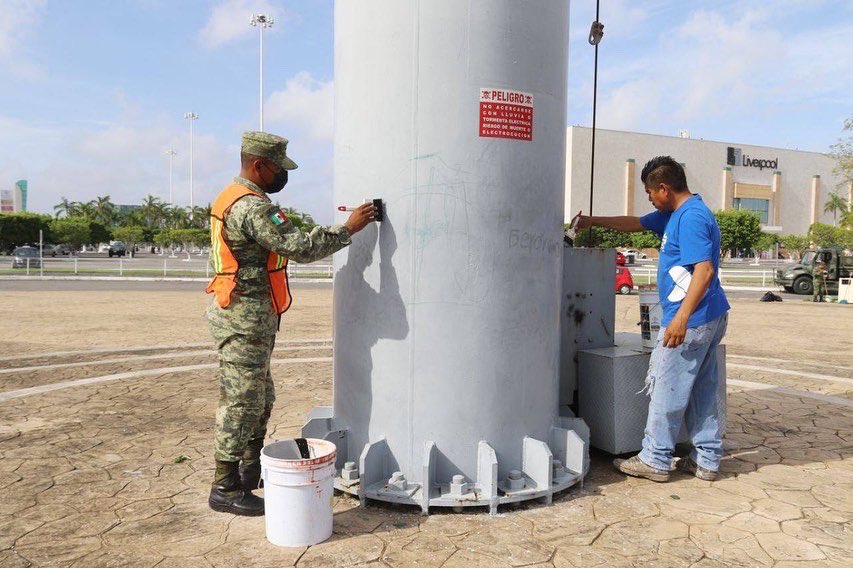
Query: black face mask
column 278, row 182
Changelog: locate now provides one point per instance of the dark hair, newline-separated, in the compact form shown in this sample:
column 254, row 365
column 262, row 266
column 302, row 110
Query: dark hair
column 664, row 169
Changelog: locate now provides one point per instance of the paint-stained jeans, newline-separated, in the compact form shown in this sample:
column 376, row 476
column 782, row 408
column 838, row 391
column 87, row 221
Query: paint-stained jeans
column 683, row 383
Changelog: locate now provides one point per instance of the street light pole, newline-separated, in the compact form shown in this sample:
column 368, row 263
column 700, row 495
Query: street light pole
column 261, row 21
column 191, row 116
column 171, row 153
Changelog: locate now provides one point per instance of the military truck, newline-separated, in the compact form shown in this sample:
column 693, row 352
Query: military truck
column 798, row 278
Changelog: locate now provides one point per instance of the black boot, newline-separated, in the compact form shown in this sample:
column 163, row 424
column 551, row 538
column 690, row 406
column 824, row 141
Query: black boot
column 228, row 496
column 250, row 476
column 250, row 468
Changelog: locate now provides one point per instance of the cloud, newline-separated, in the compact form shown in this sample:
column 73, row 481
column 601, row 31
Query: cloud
column 18, row 19
column 726, row 65
column 229, row 21
column 306, row 105
column 126, row 161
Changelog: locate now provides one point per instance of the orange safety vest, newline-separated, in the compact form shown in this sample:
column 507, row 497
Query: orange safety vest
column 226, row 266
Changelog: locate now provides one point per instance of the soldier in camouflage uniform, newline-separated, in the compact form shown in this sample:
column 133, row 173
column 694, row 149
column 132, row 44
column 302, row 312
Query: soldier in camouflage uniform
column 818, row 281
column 250, row 230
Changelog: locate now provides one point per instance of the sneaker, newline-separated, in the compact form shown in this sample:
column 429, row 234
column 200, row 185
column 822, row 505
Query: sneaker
column 687, row 465
column 636, row 468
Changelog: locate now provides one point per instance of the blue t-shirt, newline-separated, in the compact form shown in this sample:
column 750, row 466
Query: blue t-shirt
column 689, row 235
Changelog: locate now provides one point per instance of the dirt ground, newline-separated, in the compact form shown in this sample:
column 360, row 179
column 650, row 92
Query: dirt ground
column 37, row 321
column 106, row 409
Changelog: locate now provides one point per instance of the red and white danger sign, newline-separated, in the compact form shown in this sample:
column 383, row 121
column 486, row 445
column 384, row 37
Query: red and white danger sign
column 506, row 114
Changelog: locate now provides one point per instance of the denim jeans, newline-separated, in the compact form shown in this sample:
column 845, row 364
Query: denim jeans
column 682, row 383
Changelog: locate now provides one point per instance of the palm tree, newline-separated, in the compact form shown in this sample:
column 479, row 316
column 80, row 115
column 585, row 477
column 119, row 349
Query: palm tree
column 153, row 210
column 293, row 216
column 176, row 217
column 105, row 210
column 201, row 217
column 198, row 217
column 64, row 207
column 133, row 218
column 86, row 210
column 308, row 221
column 847, row 219
column 834, row 204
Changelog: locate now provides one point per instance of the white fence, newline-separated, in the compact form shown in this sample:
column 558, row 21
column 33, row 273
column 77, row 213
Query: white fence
column 764, row 276
column 154, row 266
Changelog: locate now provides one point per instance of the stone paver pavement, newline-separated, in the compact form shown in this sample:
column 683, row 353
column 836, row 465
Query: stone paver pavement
column 117, row 474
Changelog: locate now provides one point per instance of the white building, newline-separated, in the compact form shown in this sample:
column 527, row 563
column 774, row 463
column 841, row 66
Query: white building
column 787, row 188
column 14, row 200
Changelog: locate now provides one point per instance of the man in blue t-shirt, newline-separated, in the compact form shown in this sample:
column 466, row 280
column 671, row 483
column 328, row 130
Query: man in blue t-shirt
column 683, row 376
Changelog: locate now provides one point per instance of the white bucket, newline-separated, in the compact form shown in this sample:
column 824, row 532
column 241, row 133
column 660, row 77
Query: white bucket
column 298, row 492
column 650, row 316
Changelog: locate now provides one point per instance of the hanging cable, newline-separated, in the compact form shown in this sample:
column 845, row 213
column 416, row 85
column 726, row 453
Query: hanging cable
column 596, row 32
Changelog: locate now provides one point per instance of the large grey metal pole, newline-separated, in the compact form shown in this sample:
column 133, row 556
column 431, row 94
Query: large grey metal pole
column 445, row 375
column 191, row 116
column 171, row 153
column 261, row 21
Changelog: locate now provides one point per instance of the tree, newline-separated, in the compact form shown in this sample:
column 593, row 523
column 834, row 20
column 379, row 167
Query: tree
column 99, row 232
column 602, row 238
column 18, row 229
column 74, row 231
column 65, row 207
column 165, row 238
column 845, row 238
column 847, row 219
column 765, row 242
column 131, row 218
column 822, row 235
column 739, row 230
column 86, row 210
column 834, row 204
column 646, row 239
column 153, row 211
column 104, row 210
column 842, row 152
column 198, row 217
column 795, row 245
column 131, row 235
column 189, row 237
column 175, row 217
column 828, row 236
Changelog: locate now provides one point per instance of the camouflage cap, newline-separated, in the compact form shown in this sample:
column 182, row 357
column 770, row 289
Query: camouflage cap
column 268, row 146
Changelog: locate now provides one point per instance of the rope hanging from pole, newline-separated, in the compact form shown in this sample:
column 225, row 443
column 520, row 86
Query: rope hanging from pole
column 596, row 32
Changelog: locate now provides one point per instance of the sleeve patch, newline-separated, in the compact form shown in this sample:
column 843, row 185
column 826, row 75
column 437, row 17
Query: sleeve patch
column 278, row 218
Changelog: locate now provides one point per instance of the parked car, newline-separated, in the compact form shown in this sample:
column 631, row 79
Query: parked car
column 26, row 256
column 624, row 281
column 620, row 258
column 117, row 248
column 64, row 250
column 48, row 250
column 638, row 254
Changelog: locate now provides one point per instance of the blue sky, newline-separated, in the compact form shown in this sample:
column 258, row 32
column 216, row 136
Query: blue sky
column 94, row 91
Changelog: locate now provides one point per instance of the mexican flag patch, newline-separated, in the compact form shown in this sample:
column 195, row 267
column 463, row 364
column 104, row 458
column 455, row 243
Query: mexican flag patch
column 278, row 218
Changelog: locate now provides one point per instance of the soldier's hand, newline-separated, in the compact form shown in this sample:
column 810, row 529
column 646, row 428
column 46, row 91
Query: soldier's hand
column 359, row 219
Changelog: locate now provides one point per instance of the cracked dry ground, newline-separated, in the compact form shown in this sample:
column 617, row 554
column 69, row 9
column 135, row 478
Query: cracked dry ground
column 116, row 473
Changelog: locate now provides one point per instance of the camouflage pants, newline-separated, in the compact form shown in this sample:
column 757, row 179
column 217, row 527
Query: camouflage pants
column 246, row 394
column 818, row 289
